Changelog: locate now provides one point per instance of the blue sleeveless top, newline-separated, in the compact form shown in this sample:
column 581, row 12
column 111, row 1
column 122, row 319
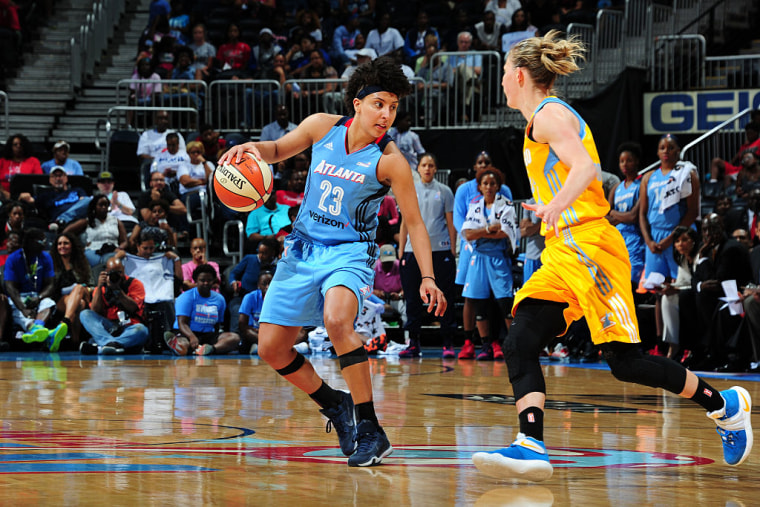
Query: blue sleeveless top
column 342, row 196
column 655, row 190
column 625, row 199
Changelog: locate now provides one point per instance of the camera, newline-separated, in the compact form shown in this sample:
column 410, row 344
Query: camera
column 114, row 276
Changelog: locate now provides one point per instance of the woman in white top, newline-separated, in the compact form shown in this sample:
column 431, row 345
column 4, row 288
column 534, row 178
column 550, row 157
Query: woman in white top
column 194, row 176
column 104, row 232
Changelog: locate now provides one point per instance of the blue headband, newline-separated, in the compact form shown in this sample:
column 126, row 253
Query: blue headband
column 369, row 89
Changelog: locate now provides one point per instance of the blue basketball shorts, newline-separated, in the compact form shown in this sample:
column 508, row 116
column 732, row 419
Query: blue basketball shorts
column 465, row 253
column 662, row 262
column 488, row 273
column 296, row 296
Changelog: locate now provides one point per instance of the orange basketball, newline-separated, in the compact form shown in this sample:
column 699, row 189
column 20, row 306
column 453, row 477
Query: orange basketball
column 244, row 186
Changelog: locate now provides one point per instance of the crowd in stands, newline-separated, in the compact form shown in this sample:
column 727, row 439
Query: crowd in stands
column 326, row 39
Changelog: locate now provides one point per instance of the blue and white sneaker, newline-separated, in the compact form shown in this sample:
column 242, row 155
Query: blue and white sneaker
column 525, row 459
column 734, row 425
column 343, row 419
column 55, row 336
column 372, row 445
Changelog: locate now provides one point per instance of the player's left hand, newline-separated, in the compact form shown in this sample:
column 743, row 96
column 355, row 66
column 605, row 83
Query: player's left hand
column 433, row 297
column 547, row 214
column 236, row 153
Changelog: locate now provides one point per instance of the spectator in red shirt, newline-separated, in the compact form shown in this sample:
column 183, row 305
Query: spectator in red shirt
column 234, row 55
column 729, row 170
column 293, row 193
column 17, row 159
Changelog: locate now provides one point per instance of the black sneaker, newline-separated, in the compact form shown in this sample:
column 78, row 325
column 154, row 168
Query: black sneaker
column 372, row 445
column 343, row 419
column 88, row 349
column 112, row 348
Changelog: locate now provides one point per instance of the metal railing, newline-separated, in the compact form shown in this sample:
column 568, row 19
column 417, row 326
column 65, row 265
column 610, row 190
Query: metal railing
column 308, row 96
column 235, row 255
column 581, row 83
column 174, row 92
column 93, row 38
column 235, row 105
column 719, row 142
column 6, row 125
column 678, row 62
column 742, row 71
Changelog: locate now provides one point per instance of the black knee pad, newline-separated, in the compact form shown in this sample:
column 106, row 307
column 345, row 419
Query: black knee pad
column 535, row 324
column 294, row 365
column 356, row 356
column 628, row 364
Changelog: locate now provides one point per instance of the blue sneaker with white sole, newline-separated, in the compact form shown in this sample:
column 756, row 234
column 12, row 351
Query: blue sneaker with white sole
column 525, row 459
column 372, row 445
column 342, row 418
column 735, row 425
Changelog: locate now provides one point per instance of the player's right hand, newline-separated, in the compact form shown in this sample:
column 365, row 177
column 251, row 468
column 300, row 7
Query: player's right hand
column 235, row 153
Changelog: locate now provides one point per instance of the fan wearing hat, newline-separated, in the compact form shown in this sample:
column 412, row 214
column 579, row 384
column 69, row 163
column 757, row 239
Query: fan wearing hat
column 61, row 158
column 63, row 203
column 122, row 207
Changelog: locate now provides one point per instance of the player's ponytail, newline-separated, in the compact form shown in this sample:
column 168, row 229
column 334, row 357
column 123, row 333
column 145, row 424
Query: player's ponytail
column 545, row 58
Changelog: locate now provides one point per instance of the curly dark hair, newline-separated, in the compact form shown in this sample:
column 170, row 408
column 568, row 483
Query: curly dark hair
column 204, row 268
column 79, row 263
column 383, row 72
column 26, row 144
column 489, row 169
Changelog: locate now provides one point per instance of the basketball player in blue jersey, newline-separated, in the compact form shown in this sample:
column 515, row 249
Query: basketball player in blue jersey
column 327, row 263
column 585, row 271
column 624, row 207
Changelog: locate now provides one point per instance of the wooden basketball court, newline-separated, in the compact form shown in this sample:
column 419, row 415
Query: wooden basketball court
column 158, row 430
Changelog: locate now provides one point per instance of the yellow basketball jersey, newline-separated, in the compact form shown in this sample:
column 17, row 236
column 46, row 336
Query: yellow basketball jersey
column 547, row 174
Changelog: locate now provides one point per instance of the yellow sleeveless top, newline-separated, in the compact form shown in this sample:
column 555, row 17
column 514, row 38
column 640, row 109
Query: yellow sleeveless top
column 547, row 174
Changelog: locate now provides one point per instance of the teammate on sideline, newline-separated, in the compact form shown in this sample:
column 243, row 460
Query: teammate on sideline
column 326, row 269
column 586, row 271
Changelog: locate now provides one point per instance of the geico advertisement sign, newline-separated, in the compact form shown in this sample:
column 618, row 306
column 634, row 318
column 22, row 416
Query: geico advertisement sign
column 691, row 112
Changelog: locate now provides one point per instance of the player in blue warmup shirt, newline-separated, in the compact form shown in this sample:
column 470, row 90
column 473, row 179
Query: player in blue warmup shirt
column 327, row 263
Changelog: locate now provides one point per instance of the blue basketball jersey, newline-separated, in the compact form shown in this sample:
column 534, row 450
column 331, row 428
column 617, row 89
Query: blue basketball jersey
column 342, row 196
column 624, row 200
column 655, row 190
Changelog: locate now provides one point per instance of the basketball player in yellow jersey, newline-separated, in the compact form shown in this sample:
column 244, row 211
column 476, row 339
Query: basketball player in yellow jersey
column 585, row 271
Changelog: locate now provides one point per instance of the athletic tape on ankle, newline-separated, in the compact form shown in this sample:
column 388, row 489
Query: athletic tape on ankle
column 356, row 356
column 294, row 365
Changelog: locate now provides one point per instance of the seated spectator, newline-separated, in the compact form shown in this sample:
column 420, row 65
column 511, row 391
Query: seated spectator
column 266, row 221
column 153, row 141
column 360, row 57
column 437, row 77
column 388, row 284
column 321, row 96
column 264, row 54
column 148, row 92
column 160, row 274
column 719, row 258
column 104, row 233
column 157, row 227
column 234, row 56
column 183, row 94
column 292, row 195
column 213, row 143
column 407, row 141
column 203, row 52
column 200, row 314
column 503, row 10
column 283, row 233
column 115, row 317
column 298, row 58
column 344, row 38
column 250, row 310
column 677, row 296
column 748, row 178
column 725, row 171
column 244, row 276
column 179, row 22
column 13, row 216
column 30, row 284
column 388, row 222
column 193, row 175
column 384, row 39
column 63, row 204
column 160, row 192
column 415, row 43
column 198, row 251
column 73, row 280
column 468, row 74
column 278, row 128
column 122, row 207
column 489, row 33
column 17, row 159
column 168, row 160
column 61, row 158
column 12, row 243
column 461, row 23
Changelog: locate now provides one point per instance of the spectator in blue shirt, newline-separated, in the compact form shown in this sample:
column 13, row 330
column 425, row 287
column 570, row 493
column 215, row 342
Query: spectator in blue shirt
column 344, row 38
column 248, row 315
column 61, row 158
column 244, row 277
column 266, row 221
column 200, row 314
